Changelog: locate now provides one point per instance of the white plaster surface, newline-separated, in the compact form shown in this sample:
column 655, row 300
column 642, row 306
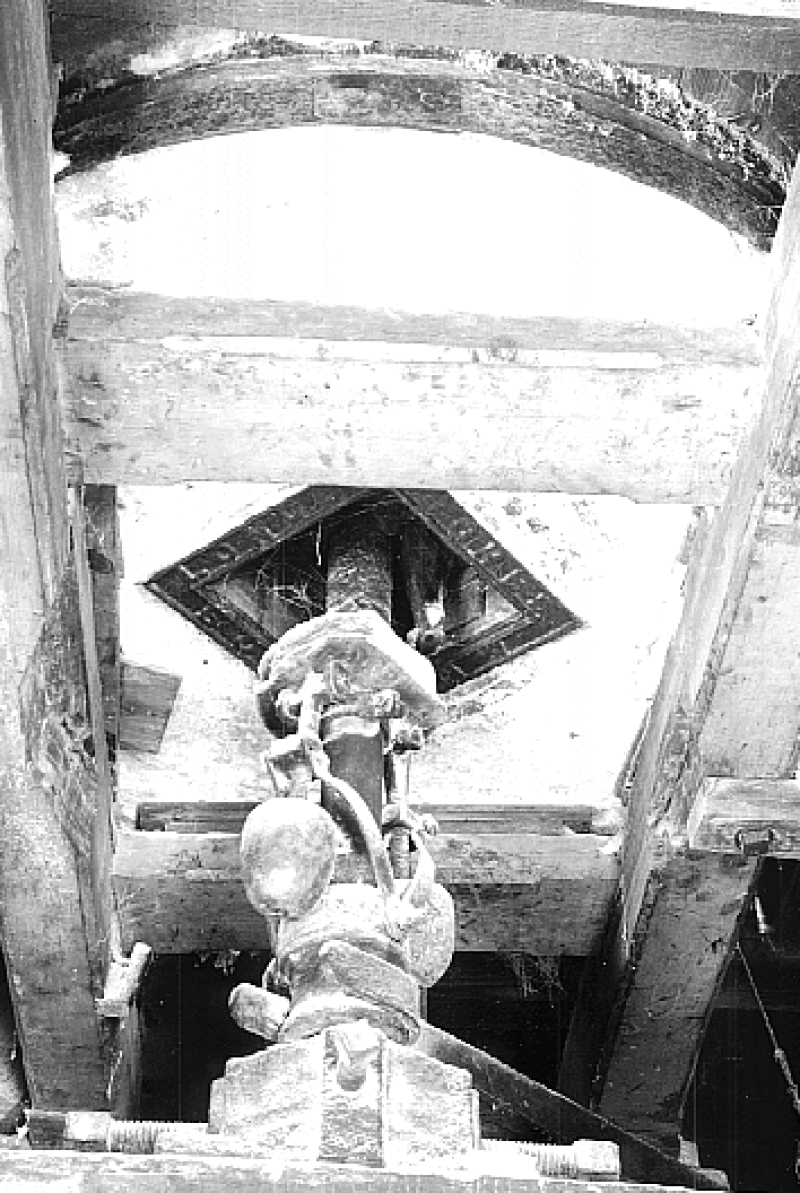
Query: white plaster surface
column 553, row 726
column 413, row 221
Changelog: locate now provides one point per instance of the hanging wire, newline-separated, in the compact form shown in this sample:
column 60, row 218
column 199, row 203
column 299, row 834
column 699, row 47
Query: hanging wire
column 780, row 1056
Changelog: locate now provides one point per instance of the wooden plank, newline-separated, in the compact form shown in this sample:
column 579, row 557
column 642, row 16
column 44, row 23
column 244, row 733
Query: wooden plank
column 734, row 35
column 767, row 809
column 181, row 892
column 654, row 415
column 679, row 966
column 87, row 1172
column 147, row 700
column 227, row 816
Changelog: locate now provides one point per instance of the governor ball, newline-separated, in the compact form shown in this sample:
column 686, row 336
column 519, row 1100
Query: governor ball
column 288, row 851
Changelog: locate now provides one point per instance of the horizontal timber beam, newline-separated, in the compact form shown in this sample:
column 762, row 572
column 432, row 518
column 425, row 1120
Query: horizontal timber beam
column 221, row 816
column 281, row 392
column 733, row 814
column 183, row 892
column 738, row 35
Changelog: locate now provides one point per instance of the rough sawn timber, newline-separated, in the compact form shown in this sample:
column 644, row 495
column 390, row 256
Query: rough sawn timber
column 282, row 392
column 634, row 125
column 680, row 962
column 47, row 788
column 182, row 892
column 738, row 35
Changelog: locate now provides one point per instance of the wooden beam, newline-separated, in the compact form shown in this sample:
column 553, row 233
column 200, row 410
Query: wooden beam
column 46, row 781
column 652, row 413
column 738, row 35
column 680, row 963
column 527, row 1103
column 85, row 1172
column 762, row 814
column 603, row 115
column 49, row 884
column 227, row 816
column 752, row 724
column 700, row 687
column 697, row 690
column 182, row 892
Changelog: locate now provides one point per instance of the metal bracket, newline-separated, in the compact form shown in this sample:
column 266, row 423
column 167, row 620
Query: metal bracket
column 754, row 842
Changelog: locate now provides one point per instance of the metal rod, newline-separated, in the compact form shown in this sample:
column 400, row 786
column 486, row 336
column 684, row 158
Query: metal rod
column 359, row 577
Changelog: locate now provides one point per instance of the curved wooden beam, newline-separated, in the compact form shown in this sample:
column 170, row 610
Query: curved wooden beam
column 604, row 115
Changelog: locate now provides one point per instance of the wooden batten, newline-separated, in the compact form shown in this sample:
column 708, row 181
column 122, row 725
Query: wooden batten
column 652, row 413
column 183, row 892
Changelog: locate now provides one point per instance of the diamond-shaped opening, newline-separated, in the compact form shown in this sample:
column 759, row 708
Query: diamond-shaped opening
column 248, row 588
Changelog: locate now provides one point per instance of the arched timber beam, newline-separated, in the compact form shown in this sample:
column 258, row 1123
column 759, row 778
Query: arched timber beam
column 597, row 113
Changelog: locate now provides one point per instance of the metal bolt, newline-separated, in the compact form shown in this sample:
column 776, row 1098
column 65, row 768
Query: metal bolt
column 586, row 1159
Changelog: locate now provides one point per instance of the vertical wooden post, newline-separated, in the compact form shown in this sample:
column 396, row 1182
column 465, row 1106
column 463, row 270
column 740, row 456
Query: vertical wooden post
column 47, row 780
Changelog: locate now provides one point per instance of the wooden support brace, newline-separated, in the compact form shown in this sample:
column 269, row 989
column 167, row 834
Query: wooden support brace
column 679, row 964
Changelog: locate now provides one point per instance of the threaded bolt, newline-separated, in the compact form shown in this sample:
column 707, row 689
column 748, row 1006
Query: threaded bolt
column 135, row 1137
column 586, row 1159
